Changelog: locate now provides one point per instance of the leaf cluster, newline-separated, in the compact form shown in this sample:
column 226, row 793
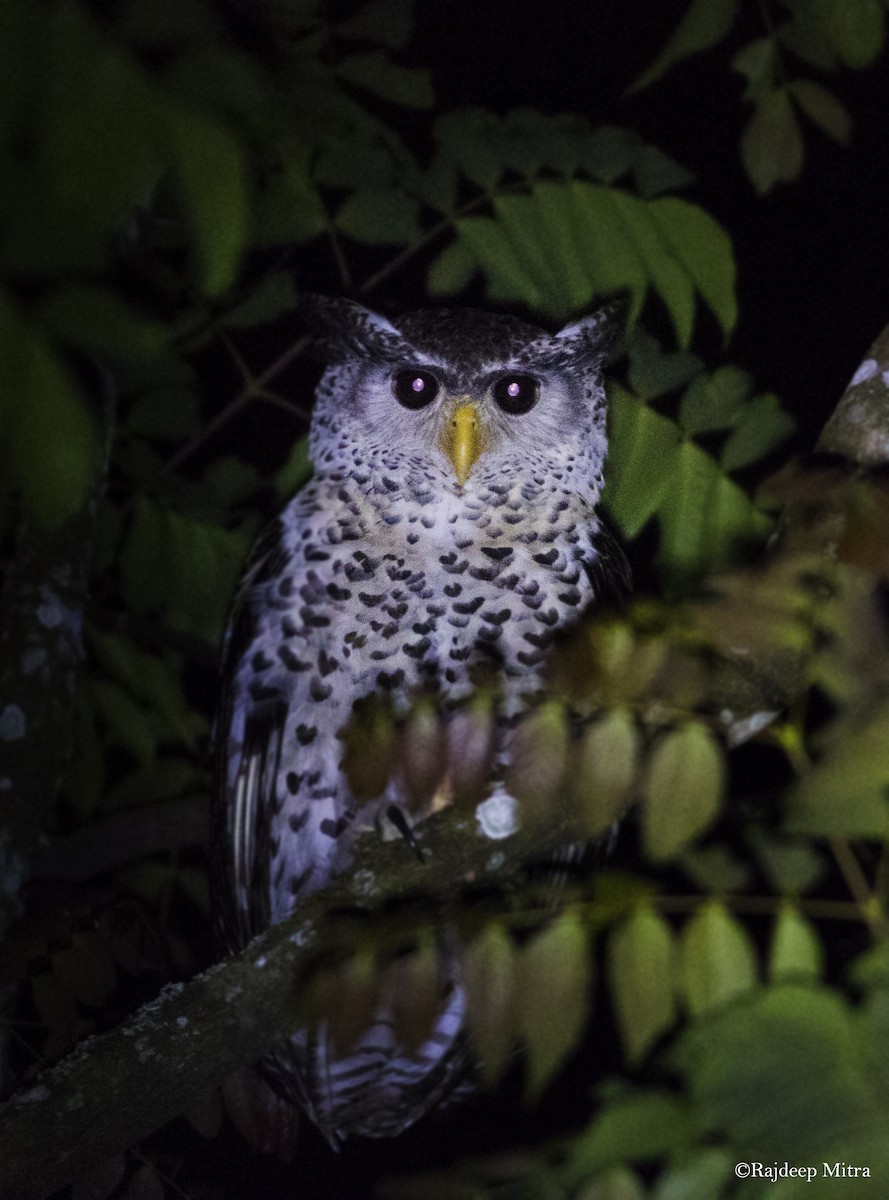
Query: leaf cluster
column 823, row 35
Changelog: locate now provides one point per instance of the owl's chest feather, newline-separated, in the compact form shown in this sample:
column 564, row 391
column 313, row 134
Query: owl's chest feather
column 423, row 600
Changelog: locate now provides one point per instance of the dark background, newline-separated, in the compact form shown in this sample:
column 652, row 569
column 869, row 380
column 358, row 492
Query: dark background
column 812, row 280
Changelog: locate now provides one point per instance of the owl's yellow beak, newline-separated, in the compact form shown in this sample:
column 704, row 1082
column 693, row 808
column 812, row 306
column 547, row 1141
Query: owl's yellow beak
column 462, row 439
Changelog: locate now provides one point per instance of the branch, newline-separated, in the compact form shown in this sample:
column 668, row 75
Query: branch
column 118, row 1087
column 859, row 426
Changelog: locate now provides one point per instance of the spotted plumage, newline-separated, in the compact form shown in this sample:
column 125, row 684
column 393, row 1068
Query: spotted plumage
column 450, row 527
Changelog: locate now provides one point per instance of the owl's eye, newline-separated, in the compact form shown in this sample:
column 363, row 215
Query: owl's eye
column 415, row 388
column 516, row 394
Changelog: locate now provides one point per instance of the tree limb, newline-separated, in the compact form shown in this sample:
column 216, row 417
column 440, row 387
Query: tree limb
column 118, row 1087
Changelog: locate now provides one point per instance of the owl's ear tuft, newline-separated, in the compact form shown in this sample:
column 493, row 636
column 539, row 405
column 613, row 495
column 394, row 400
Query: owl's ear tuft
column 342, row 330
column 599, row 333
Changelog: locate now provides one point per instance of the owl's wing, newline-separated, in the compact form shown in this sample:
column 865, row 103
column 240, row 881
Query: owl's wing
column 248, row 738
column 608, row 570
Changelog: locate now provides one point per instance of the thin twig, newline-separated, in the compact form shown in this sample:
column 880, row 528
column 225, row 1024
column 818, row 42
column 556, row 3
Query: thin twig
column 859, row 888
column 256, row 389
column 396, row 263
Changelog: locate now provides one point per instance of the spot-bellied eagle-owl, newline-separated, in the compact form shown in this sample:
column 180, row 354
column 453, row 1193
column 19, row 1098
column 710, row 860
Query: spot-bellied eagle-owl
column 451, row 522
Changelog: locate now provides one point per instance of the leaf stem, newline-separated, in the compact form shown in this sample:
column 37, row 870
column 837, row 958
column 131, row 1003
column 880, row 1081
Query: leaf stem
column 865, row 898
column 255, row 389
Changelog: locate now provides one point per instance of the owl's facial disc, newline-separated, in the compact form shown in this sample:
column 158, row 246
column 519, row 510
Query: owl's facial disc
column 462, row 437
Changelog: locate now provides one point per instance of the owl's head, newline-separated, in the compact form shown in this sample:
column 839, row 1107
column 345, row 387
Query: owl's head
column 459, row 398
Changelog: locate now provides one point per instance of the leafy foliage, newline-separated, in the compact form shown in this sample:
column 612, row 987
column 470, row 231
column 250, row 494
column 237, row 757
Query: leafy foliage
column 823, row 34
column 168, row 190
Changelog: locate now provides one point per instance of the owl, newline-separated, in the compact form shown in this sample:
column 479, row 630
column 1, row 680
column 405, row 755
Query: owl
column 451, row 525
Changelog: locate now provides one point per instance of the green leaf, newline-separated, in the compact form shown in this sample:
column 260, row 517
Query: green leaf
column 554, row 973
column 534, row 235
column 288, row 206
column 358, row 159
column 760, row 63
column 763, row 426
column 646, row 1125
column 210, row 174
column 452, row 271
column 844, row 795
column 97, row 319
column 782, row 1076
column 791, row 867
column 715, row 869
column 641, row 974
column 50, row 450
column 557, row 247
column 796, row 953
column 718, row 961
column 230, row 482
column 856, row 29
column 871, row 969
column 345, row 998
column 96, row 145
column 604, row 771
column 380, row 216
column 126, row 722
column 803, row 36
column 654, row 373
column 609, row 152
column 643, row 448
column 771, row 145
column 165, row 396
column 181, row 569
column 221, row 79
column 296, row 471
column 273, row 296
column 410, row 87
column 655, row 172
column 704, row 250
column 715, row 401
column 617, row 1184
column 683, row 790
column 411, row 989
column 468, row 138
column 705, row 23
column 822, row 107
column 490, row 249
column 704, row 516
column 564, row 243
column 489, row 970
column 598, row 219
column 161, row 687
column 661, row 268
column 537, row 759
